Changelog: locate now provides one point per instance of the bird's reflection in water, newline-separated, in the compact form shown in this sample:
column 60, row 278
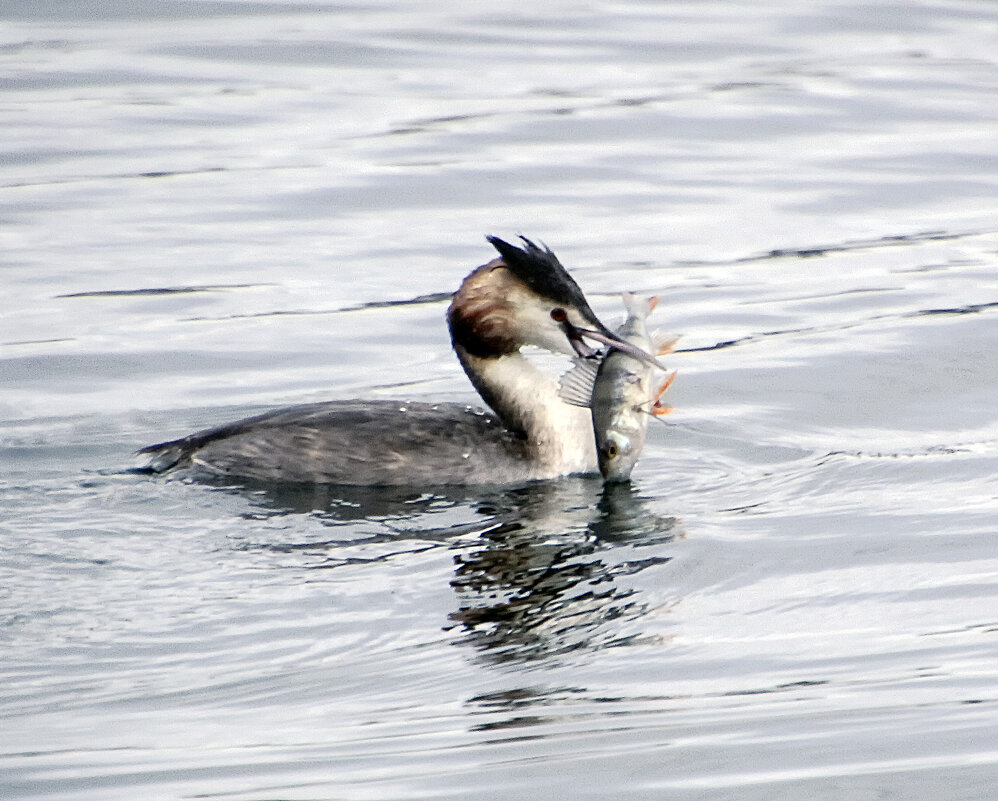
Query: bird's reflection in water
column 343, row 520
column 540, row 568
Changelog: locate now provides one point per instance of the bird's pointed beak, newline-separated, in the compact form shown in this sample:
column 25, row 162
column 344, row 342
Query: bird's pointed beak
column 576, row 336
column 616, row 343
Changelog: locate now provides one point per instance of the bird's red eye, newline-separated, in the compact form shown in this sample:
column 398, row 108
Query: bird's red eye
column 558, row 315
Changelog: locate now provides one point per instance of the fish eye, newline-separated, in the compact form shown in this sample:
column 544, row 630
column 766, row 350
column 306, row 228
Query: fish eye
column 611, row 450
column 559, row 315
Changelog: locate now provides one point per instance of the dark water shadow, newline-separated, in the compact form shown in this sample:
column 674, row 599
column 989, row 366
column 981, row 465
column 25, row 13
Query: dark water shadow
column 540, row 570
column 335, row 505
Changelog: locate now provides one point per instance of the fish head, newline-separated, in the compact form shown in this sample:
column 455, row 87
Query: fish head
column 617, row 452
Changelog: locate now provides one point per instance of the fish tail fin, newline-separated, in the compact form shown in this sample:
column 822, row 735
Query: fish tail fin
column 638, row 306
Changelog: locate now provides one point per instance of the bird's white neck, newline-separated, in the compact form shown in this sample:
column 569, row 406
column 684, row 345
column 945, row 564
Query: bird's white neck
column 560, row 436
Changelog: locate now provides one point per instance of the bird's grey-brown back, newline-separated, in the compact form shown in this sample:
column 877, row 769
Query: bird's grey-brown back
column 366, row 443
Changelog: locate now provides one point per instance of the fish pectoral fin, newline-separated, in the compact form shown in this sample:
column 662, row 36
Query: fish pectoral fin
column 575, row 387
column 657, row 407
column 665, row 385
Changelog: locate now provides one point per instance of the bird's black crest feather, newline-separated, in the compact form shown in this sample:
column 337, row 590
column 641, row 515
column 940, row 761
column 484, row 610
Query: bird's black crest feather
column 540, row 269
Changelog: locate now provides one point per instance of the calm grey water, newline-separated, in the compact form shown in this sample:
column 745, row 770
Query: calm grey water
column 209, row 209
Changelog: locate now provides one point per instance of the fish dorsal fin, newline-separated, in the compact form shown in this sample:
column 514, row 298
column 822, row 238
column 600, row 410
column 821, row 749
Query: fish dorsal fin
column 663, row 344
column 575, row 387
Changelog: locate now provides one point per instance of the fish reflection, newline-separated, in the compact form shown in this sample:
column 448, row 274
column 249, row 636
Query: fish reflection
column 546, row 579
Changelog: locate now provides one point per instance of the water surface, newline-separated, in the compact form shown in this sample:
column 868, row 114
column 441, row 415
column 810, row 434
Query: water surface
column 211, row 209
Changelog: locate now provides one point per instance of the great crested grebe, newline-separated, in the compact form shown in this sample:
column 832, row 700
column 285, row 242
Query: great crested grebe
column 524, row 297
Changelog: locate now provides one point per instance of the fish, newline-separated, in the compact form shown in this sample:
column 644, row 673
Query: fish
column 619, row 392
